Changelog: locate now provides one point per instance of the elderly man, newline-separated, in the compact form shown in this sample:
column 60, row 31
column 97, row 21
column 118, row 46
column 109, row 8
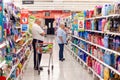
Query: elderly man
column 38, row 36
column 61, row 39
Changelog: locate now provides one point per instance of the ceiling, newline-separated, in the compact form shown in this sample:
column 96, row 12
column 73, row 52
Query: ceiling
column 74, row 5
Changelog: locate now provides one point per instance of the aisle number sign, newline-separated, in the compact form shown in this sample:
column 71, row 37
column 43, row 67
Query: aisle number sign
column 24, row 16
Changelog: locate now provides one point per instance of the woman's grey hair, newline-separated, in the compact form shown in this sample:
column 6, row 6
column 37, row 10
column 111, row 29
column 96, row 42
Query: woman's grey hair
column 62, row 23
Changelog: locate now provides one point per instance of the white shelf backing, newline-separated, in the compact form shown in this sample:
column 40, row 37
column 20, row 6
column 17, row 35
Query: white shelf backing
column 111, row 33
column 98, row 45
column 98, row 60
column 3, row 63
column 112, row 15
column 86, row 64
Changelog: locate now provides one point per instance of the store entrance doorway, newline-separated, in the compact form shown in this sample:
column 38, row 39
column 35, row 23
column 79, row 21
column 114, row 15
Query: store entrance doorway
column 49, row 23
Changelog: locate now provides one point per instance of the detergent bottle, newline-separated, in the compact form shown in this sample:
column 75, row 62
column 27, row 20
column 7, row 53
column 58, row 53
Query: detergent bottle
column 103, row 24
column 92, row 24
column 118, row 63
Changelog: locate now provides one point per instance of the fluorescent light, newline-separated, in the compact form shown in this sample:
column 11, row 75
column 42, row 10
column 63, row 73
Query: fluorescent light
column 7, row 1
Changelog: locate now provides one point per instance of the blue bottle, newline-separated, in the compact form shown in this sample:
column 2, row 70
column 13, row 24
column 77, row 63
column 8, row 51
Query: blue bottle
column 106, row 37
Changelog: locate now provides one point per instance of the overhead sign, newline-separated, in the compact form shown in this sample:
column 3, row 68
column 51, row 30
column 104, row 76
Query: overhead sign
column 24, row 16
column 28, row 2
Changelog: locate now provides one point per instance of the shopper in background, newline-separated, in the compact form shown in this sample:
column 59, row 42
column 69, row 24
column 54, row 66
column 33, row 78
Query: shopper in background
column 38, row 36
column 61, row 39
column 45, row 29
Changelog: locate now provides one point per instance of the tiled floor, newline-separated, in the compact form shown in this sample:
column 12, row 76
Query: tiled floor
column 70, row 69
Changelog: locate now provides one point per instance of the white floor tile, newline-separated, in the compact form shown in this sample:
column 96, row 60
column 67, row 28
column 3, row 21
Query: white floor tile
column 70, row 69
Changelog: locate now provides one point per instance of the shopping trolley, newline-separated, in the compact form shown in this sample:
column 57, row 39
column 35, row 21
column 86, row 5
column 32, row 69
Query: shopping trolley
column 45, row 48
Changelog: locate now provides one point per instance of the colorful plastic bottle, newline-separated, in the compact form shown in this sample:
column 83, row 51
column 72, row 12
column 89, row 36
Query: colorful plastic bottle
column 103, row 24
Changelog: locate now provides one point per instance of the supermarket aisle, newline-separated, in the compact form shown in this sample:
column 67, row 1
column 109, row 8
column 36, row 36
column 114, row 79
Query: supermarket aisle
column 70, row 69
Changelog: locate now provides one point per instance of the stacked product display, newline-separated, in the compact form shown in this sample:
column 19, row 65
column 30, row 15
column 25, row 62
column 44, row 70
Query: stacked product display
column 98, row 46
column 15, row 47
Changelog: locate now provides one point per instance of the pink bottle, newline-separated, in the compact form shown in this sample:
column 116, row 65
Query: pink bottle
column 98, row 68
column 103, row 24
column 95, row 66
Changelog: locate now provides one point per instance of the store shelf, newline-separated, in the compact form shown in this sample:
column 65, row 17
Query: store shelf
column 18, row 27
column 111, row 33
column 96, row 73
column 86, row 64
column 99, row 17
column 77, row 56
column 3, row 44
column 13, row 68
column 97, row 45
column 26, row 42
column 19, row 39
column 98, row 60
column 23, row 34
column 24, row 65
column 3, row 63
column 26, row 61
column 19, row 50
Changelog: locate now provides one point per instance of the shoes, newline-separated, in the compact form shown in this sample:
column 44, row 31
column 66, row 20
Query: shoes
column 35, row 68
column 41, row 68
column 62, row 59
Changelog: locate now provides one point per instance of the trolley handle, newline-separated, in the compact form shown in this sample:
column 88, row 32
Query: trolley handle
column 44, row 44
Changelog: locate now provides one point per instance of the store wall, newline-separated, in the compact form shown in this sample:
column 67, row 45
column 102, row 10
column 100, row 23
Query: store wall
column 42, row 22
column 53, row 14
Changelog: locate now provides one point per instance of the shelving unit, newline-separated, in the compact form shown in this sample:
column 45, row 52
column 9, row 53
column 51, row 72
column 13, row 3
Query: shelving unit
column 97, row 45
column 98, row 17
column 111, row 33
column 99, row 40
column 24, row 65
column 98, row 59
column 13, row 68
column 83, row 61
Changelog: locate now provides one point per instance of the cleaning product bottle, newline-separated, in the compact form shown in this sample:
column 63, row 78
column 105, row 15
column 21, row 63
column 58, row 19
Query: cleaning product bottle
column 106, row 9
column 103, row 24
column 106, row 73
column 75, row 32
column 117, row 43
column 92, row 24
column 118, row 63
column 106, row 37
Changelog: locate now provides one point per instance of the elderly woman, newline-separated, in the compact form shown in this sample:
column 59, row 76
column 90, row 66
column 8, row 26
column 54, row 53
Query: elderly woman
column 61, row 39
